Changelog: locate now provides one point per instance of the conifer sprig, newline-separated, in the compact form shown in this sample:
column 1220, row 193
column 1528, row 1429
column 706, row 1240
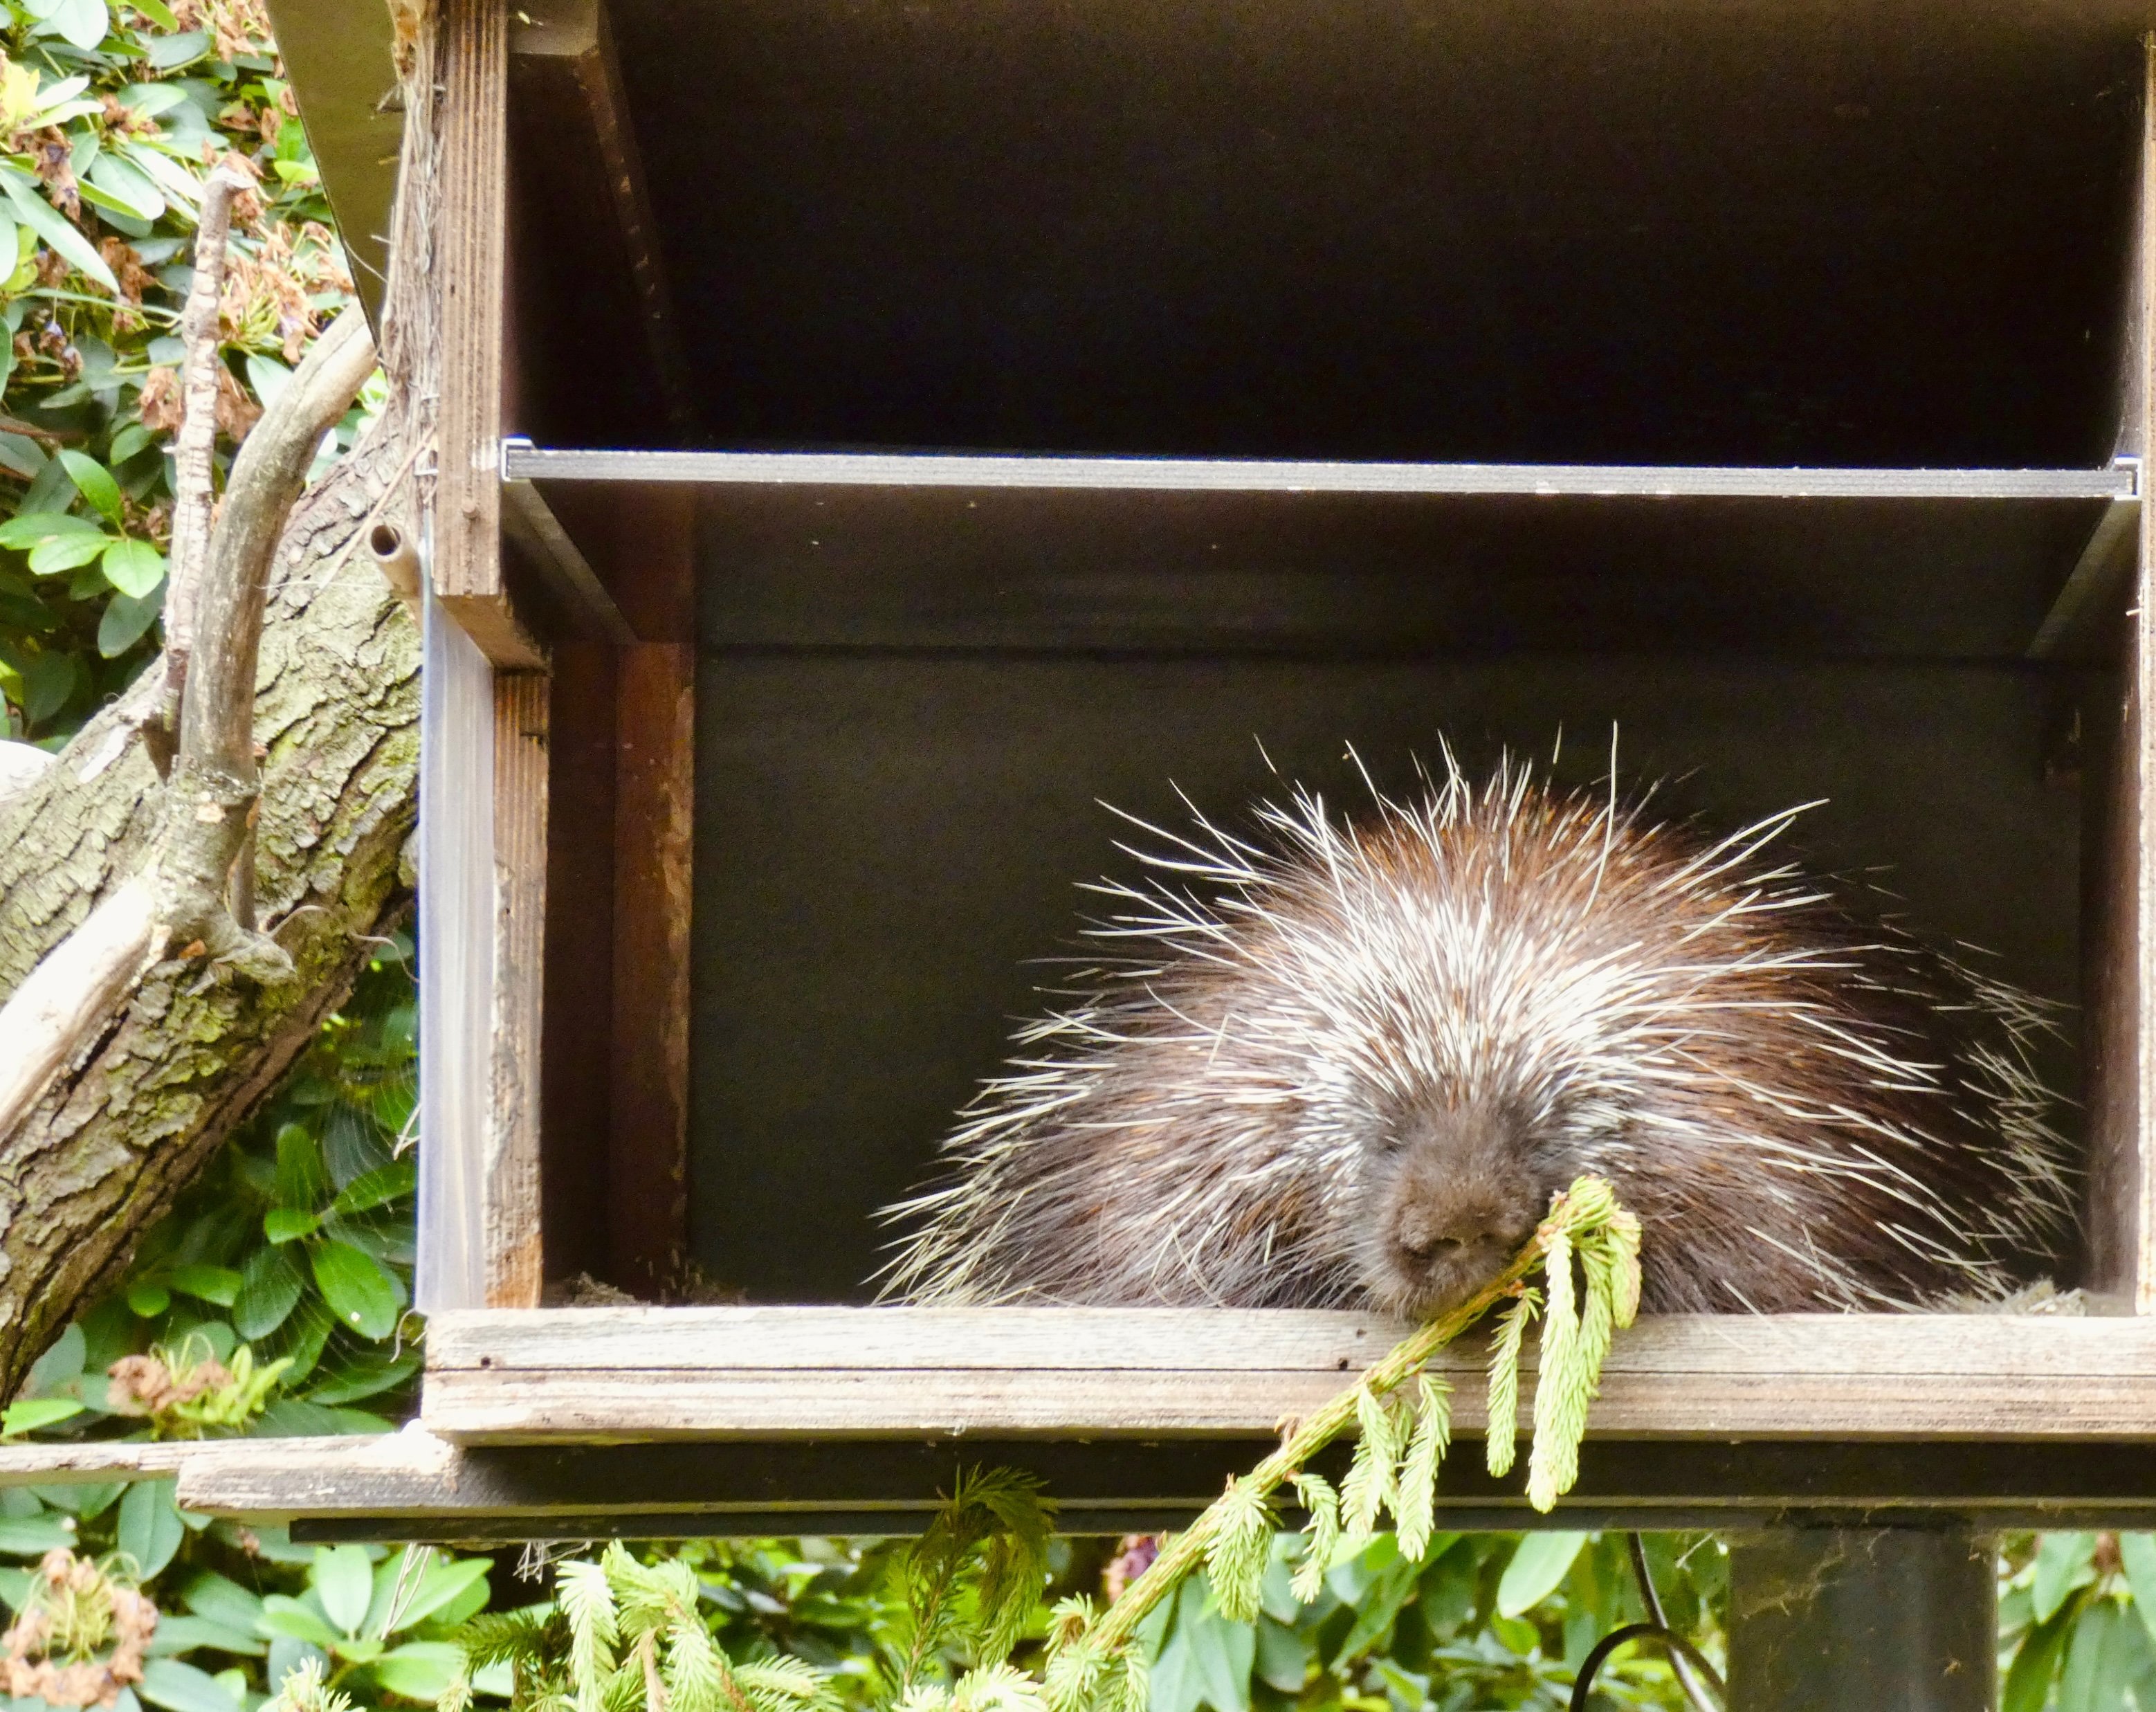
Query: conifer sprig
column 1401, row 1440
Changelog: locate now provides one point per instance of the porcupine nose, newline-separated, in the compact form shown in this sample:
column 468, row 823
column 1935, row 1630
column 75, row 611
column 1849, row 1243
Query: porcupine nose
column 1424, row 1239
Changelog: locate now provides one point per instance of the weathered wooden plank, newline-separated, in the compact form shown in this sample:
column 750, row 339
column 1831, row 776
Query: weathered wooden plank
column 577, row 1080
column 470, row 274
column 510, row 1183
column 1119, row 1340
column 637, row 1373
column 413, row 1485
column 654, row 797
column 516, row 1407
column 2119, row 901
column 74, row 1464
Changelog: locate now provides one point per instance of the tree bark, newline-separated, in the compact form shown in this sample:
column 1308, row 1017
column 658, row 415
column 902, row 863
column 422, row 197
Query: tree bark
column 144, row 1100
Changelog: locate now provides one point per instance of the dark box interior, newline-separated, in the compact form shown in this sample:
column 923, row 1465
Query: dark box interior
column 1856, row 231
column 1895, row 233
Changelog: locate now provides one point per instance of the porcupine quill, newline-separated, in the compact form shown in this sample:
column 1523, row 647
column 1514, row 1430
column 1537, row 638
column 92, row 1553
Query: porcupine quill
column 1346, row 1065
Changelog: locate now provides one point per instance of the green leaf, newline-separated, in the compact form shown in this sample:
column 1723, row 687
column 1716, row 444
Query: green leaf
column 92, row 480
column 2035, row 1666
column 1204, row 1659
column 166, row 52
column 48, row 222
column 180, row 1687
column 127, row 184
column 359, row 1293
column 150, row 1526
column 441, row 1588
column 224, row 1601
column 2107, row 1651
column 301, row 1621
column 66, row 552
column 189, row 1634
column 418, row 1670
column 366, row 1376
column 34, row 1412
column 158, row 13
column 1284, row 1657
column 135, row 567
column 33, row 1536
column 270, row 1284
column 62, row 1364
column 125, row 619
column 1380, row 1606
column 284, row 1224
column 343, row 1579
column 301, row 1180
column 2137, row 1553
column 148, row 1300
column 266, row 378
column 129, row 440
column 29, row 529
column 82, row 24
column 2064, row 1561
column 1540, row 1563
column 376, row 1188
column 49, row 681
column 219, row 1284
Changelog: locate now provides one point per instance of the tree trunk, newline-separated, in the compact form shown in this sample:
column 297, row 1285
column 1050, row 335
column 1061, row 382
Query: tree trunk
column 140, row 1107
column 147, row 1093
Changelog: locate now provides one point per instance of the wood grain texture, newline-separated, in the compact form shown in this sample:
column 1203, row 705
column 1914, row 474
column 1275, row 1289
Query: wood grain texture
column 773, row 1373
column 470, row 280
column 579, row 1080
column 2122, row 879
column 511, row 1181
column 655, row 796
column 2141, row 739
column 2116, row 861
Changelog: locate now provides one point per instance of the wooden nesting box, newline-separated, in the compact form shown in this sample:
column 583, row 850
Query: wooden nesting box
column 877, row 431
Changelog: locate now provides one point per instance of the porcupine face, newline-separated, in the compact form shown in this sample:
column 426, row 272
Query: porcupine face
column 1448, row 1195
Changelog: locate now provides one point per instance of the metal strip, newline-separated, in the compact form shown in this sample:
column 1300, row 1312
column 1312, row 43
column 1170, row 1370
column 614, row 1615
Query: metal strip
column 521, row 460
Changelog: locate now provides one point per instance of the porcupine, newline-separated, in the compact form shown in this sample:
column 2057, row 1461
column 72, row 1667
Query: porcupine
column 1346, row 1065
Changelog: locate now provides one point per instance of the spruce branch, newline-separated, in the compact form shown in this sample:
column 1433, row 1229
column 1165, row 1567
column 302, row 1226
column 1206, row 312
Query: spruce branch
column 1585, row 1214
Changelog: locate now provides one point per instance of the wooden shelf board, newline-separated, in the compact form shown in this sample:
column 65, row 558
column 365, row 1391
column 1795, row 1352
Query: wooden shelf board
column 580, row 1375
column 414, row 1485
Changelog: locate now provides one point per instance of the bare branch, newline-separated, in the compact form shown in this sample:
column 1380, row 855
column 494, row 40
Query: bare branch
column 192, row 452
column 193, row 466
column 211, row 798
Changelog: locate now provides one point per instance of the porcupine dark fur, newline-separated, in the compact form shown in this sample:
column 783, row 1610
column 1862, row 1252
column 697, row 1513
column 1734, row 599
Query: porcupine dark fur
column 1348, row 1064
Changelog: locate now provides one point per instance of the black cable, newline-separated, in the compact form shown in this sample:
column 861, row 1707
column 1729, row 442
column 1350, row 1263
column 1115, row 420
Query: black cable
column 1680, row 1650
column 1682, row 1664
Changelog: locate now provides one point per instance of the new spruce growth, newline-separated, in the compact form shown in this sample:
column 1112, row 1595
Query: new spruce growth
column 625, row 1636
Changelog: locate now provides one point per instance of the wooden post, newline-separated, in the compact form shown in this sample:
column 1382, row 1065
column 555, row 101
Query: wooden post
column 2119, row 882
column 510, row 1179
column 471, row 277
